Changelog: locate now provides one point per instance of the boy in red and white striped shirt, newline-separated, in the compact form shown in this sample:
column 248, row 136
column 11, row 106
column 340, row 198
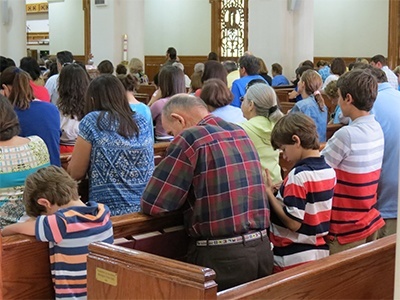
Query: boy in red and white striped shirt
column 355, row 152
column 301, row 211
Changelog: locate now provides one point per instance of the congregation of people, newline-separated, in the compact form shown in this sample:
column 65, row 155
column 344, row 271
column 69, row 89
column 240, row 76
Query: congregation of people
column 226, row 132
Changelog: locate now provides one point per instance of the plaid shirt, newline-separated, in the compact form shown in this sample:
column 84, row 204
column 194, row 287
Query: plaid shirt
column 211, row 171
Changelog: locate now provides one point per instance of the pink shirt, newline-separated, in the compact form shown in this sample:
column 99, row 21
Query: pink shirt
column 156, row 110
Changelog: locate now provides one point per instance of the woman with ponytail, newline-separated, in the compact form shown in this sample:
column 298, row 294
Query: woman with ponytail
column 261, row 109
column 35, row 117
column 313, row 104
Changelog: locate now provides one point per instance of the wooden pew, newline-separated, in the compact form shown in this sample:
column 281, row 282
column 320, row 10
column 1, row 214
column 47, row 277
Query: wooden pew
column 286, row 106
column 142, row 97
column 283, row 94
column 148, row 89
column 25, row 267
column 365, row 272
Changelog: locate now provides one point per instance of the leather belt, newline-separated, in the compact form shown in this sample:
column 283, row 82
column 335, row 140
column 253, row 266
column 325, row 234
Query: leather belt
column 233, row 240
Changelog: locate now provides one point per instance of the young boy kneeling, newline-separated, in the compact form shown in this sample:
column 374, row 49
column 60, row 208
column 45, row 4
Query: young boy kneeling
column 301, row 211
column 66, row 223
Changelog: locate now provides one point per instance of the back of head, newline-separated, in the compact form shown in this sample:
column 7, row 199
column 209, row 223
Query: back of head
column 263, row 66
column 171, row 80
column 72, row 85
column 215, row 93
column 179, row 65
column 214, row 69
column 9, row 124
column 213, row 56
column 135, row 66
column 107, row 94
column 105, row 67
column 18, row 80
column 250, row 63
column 301, row 70
column 265, row 101
column 52, row 183
column 120, row 69
column 171, row 51
column 379, row 74
column 321, row 63
column 3, row 63
column 379, row 58
column 312, row 81
column 362, row 60
column 185, row 104
column 65, row 57
column 31, row 66
column 308, row 63
column 295, row 124
column 199, row 67
column 331, row 89
column 277, row 68
column 229, row 66
column 338, row 66
column 361, row 85
column 129, row 82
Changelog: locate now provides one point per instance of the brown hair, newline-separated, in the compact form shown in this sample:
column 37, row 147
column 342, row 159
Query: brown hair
column 171, row 80
column 9, row 124
column 215, row 93
column 52, row 183
column 72, row 85
column 361, row 85
column 21, row 93
column 214, row 69
column 107, row 95
column 312, row 84
column 298, row 124
column 130, row 83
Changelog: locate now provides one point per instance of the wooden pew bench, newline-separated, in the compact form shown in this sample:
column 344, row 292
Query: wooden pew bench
column 25, row 266
column 365, row 272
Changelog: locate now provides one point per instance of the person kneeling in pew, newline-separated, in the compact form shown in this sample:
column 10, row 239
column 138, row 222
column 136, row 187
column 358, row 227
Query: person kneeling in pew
column 63, row 220
column 213, row 173
column 301, row 211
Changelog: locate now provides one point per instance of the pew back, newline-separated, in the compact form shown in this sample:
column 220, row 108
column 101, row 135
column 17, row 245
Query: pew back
column 364, row 272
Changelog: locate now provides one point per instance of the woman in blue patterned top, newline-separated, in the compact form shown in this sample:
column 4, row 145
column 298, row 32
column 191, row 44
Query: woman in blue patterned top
column 114, row 146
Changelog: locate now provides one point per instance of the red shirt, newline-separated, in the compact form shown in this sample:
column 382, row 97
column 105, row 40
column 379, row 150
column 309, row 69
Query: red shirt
column 40, row 92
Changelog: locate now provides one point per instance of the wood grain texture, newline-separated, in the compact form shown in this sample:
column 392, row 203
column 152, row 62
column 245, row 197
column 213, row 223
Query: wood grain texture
column 146, row 276
column 364, row 272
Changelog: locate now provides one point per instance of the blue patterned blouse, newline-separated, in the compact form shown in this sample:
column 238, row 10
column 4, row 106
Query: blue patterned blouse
column 119, row 167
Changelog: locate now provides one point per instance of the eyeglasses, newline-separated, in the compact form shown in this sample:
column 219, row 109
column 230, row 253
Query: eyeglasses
column 242, row 99
column 254, row 81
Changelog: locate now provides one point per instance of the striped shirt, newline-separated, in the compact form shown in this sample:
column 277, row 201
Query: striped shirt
column 307, row 194
column 69, row 232
column 355, row 152
column 213, row 172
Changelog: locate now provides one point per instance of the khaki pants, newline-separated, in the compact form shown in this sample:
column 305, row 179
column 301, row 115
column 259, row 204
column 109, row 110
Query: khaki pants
column 389, row 229
column 335, row 247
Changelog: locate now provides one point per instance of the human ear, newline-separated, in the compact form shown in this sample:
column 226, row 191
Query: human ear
column 44, row 202
column 296, row 140
column 178, row 118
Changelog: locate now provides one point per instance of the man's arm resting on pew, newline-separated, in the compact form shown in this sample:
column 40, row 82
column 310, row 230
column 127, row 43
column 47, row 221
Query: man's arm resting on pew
column 27, row 228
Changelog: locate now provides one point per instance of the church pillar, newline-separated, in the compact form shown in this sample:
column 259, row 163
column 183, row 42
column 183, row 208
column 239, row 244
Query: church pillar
column 13, row 29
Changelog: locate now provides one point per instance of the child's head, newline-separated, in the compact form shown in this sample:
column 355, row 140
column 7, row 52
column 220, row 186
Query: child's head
column 295, row 124
column 361, row 85
column 310, row 82
column 51, row 183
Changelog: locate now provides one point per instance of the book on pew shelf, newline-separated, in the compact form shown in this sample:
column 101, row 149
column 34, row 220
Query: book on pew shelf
column 146, row 235
column 120, row 241
column 174, row 228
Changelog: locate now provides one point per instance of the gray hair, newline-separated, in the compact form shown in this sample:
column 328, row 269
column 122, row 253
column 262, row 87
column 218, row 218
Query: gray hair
column 265, row 101
column 183, row 102
column 179, row 65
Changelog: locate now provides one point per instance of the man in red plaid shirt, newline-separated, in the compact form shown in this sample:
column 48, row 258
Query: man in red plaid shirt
column 213, row 174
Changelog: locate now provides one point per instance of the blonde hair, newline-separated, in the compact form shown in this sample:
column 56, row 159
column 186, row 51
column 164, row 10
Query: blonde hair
column 135, row 66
